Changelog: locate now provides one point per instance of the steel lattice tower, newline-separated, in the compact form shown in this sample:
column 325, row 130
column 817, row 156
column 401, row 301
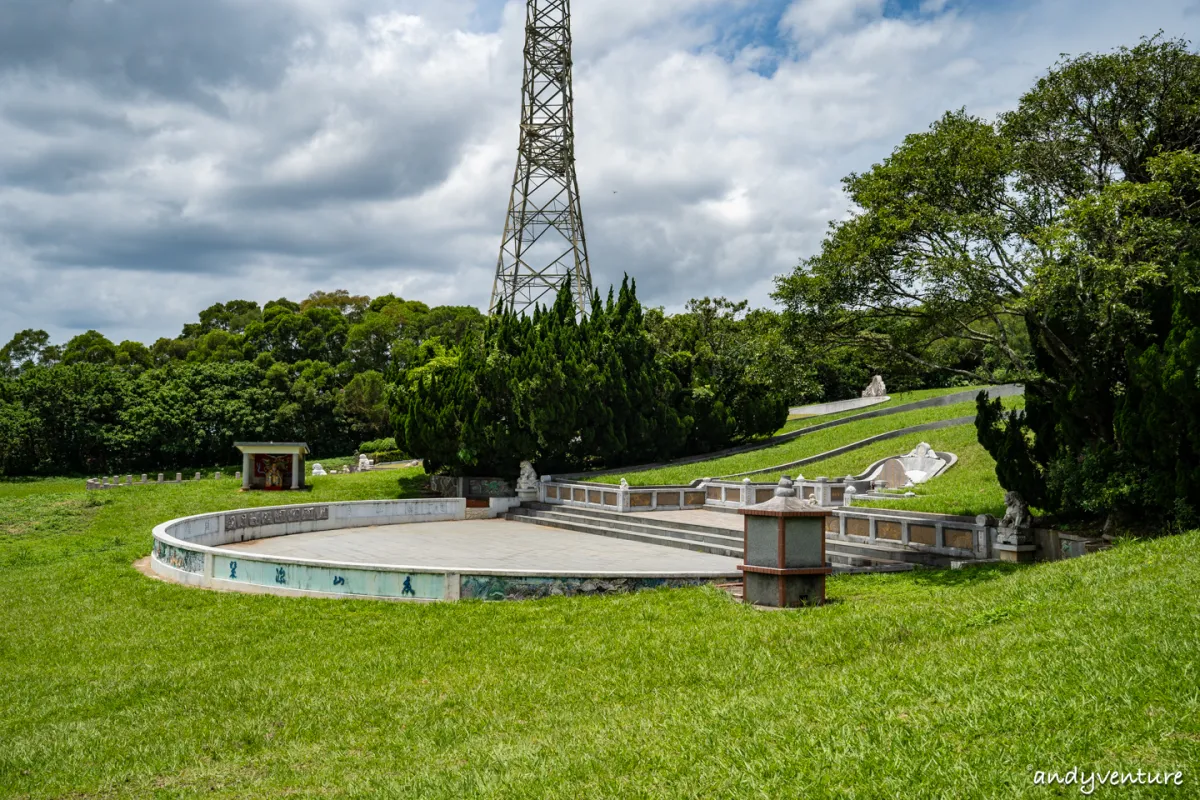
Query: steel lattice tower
column 543, row 240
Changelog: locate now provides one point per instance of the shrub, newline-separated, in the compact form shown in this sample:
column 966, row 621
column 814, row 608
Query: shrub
column 377, row 445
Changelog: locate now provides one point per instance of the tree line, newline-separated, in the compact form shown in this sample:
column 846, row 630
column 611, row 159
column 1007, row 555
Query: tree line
column 336, row 369
column 315, row 371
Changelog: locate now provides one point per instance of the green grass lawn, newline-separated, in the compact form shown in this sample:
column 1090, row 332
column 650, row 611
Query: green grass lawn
column 898, row 399
column 928, row 684
column 801, row 447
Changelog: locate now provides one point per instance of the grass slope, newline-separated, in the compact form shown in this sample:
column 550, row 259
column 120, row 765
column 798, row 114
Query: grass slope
column 926, row 684
column 801, row 447
column 969, row 487
column 898, row 399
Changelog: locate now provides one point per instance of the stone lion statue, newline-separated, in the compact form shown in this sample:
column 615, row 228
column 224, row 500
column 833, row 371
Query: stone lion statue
column 1016, row 512
column 528, row 478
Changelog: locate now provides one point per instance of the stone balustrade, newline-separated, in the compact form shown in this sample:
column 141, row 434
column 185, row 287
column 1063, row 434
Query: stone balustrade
column 944, row 534
column 698, row 494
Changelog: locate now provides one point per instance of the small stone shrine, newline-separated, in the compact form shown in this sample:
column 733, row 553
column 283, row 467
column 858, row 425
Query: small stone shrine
column 272, row 466
column 784, row 543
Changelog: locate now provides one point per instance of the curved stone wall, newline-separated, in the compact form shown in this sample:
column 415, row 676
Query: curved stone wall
column 189, row 550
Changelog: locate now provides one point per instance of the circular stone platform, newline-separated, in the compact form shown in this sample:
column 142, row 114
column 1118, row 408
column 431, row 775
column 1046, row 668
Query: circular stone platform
column 412, row 550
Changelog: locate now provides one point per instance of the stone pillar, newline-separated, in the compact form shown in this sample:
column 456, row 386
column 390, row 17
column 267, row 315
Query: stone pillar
column 145, row 479
column 245, row 470
column 196, row 477
column 129, row 480
column 295, row 470
column 848, row 496
column 217, row 476
column 179, row 477
column 821, row 491
column 785, row 551
column 623, row 496
column 160, row 477
column 747, row 492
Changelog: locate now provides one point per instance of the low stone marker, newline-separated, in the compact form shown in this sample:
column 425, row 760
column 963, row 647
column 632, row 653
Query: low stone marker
column 238, row 475
column 160, row 477
column 179, row 477
column 145, row 480
column 197, row 477
column 217, row 476
column 784, row 550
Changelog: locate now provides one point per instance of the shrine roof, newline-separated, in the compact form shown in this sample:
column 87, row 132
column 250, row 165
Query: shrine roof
column 271, row 447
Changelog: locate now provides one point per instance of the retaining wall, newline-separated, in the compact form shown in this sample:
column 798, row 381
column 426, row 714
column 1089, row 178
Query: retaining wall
column 188, row 550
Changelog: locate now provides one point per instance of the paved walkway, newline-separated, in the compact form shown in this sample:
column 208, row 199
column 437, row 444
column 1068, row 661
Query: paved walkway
column 489, row 544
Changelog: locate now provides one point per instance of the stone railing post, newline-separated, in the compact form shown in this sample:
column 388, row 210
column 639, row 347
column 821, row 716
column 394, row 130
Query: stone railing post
column 821, row 491
column 848, row 496
column 623, row 497
column 747, row 493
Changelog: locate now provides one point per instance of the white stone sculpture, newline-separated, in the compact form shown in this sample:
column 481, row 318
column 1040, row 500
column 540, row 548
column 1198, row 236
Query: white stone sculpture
column 317, row 469
column 917, row 466
column 527, row 483
column 875, row 388
column 1016, row 527
column 528, row 478
column 1016, row 512
column 364, row 463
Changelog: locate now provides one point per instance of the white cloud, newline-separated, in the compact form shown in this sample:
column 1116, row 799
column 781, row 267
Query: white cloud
column 811, row 18
column 369, row 145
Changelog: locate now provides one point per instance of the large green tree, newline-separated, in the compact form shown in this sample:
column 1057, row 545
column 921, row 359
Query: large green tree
column 570, row 392
column 1053, row 242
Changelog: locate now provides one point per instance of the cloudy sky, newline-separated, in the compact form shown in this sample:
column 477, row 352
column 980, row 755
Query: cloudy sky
column 157, row 157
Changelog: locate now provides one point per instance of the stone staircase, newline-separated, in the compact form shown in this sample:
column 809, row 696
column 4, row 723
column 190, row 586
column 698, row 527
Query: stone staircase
column 718, row 539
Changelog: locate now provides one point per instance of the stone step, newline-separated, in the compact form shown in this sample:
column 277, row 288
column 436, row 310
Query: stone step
column 652, row 519
column 699, row 538
column 885, row 552
column 624, row 522
column 856, row 554
column 631, row 535
column 857, row 563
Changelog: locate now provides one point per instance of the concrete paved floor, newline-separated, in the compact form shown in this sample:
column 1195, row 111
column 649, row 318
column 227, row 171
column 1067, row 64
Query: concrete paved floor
column 489, row 544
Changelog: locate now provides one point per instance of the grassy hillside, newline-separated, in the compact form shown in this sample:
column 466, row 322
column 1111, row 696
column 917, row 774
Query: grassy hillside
column 801, row 447
column 926, row 684
column 969, row 487
column 897, row 399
